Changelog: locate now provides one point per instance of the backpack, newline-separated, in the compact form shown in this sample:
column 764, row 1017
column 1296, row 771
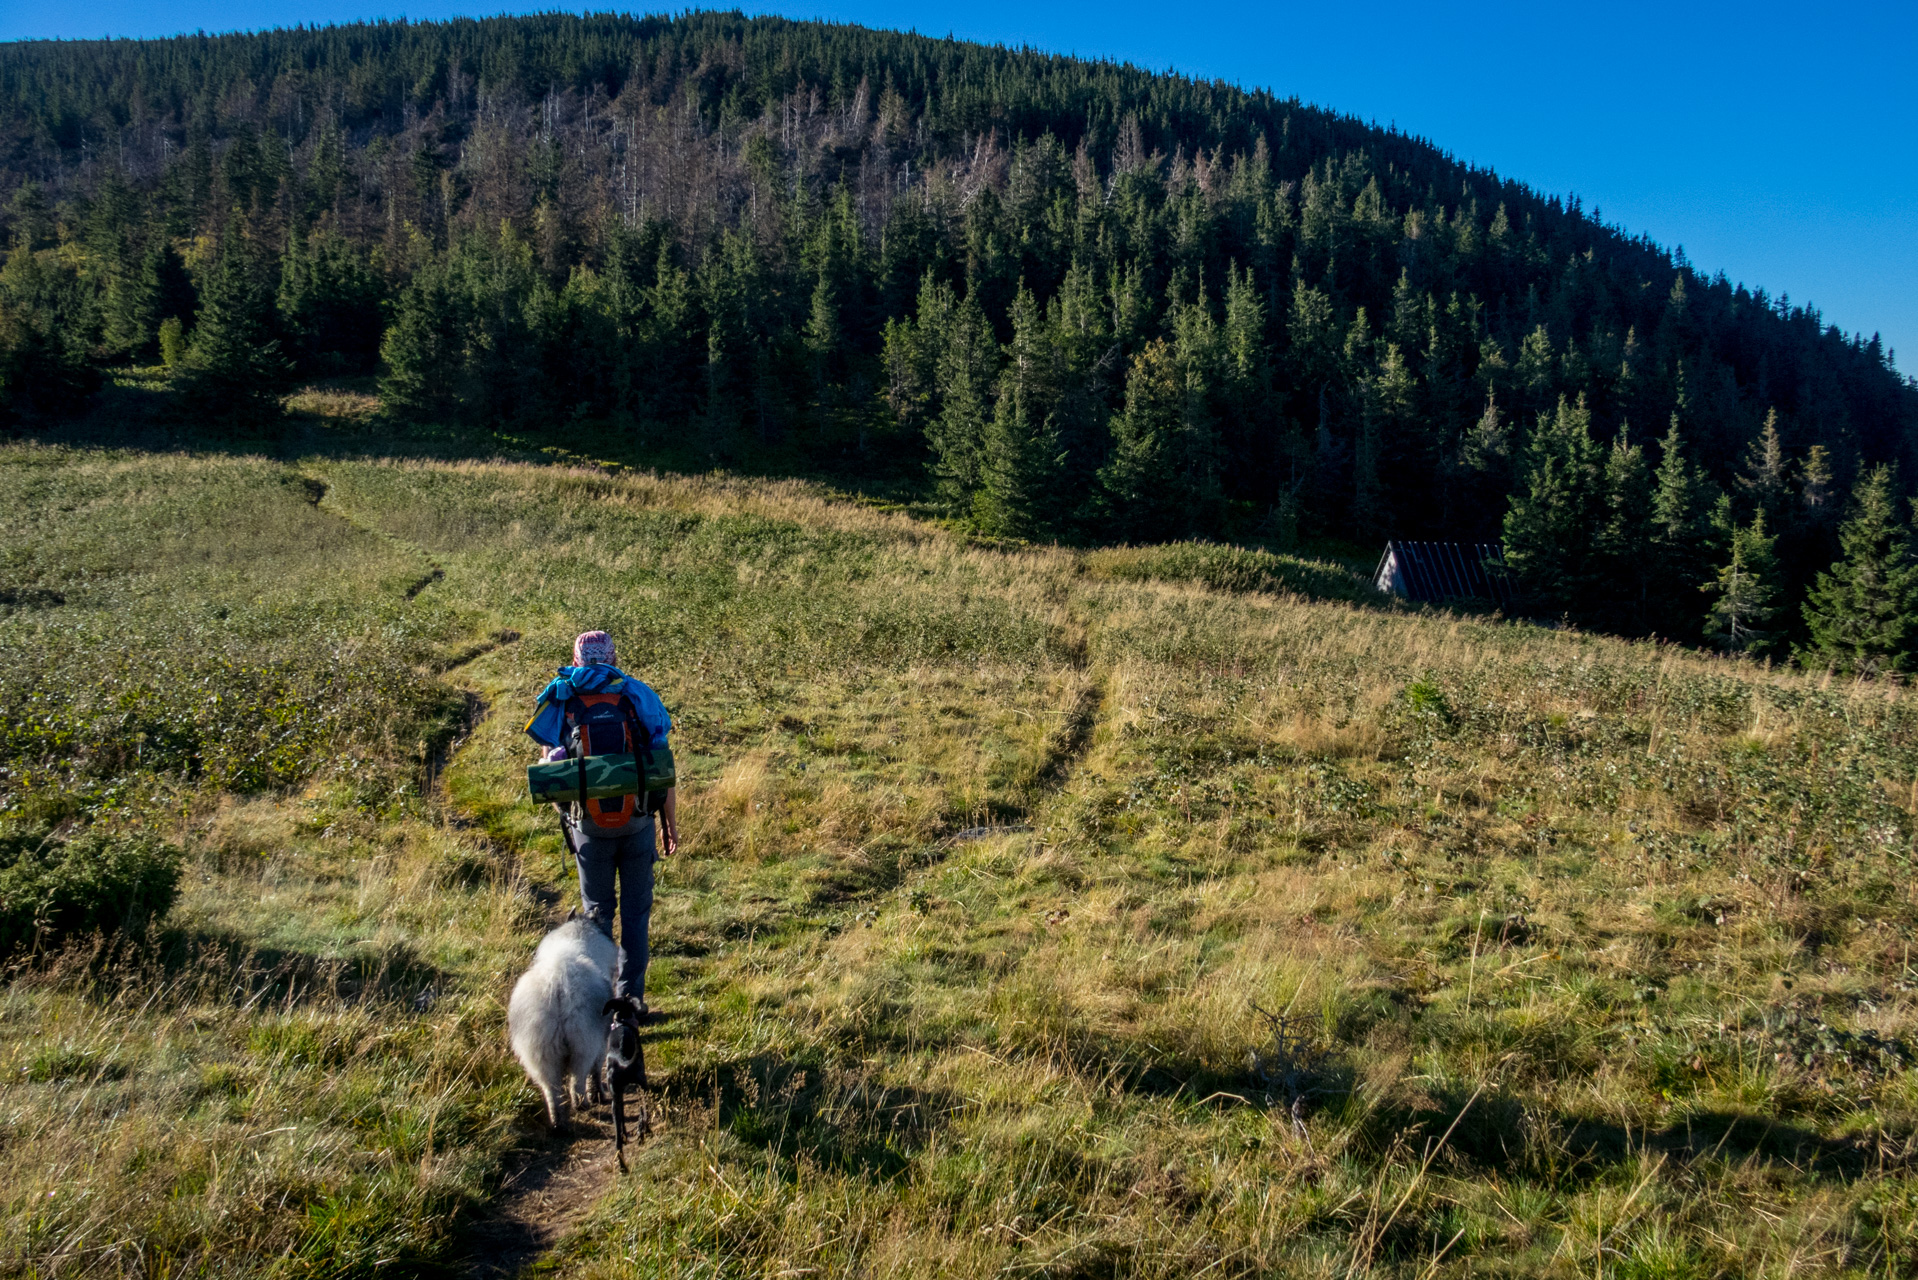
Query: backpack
column 610, row 762
column 604, row 724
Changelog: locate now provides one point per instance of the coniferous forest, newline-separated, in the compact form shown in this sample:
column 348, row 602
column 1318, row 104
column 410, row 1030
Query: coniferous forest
column 1085, row 302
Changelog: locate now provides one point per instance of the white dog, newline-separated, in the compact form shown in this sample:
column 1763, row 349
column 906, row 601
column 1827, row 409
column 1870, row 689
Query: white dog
column 554, row 1021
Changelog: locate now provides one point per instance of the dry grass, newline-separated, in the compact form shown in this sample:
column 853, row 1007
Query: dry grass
column 1630, row 929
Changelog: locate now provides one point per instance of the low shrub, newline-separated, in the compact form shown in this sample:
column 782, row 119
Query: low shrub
column 53, row 889
column 1229, row 568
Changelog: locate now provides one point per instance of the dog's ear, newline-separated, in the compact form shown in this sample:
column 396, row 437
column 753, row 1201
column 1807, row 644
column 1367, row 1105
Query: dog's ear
column 572, row 914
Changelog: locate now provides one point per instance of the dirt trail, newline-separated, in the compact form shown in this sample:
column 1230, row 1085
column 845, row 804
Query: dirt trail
column 549, row 1191
column 552, row 1183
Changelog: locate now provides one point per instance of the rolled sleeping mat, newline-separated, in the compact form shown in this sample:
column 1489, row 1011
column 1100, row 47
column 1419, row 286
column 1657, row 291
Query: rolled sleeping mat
column 601, row 777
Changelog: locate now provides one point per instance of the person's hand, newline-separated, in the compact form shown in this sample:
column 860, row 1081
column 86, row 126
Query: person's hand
column 669, row 821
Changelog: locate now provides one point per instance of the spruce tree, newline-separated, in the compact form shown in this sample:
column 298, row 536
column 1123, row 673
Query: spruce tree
column 127, row 306
column 1161, row 479
column 1551, row 526
column 1816, row 485
column 823, row 339
column 1679, row 534
column 173, row 346
column 965, row 369
column 1744, row 588
column 131, row 311
column 331, row 302
column 1482, row 467
column 1762, row 476
column 1624, row 541
column 41, row 374
column 1245, row 394
column 1387, row 447
column 1860, row 611
column 1133, row 481
column 234, row 366
column 164, row 278
column 912, row 350
column 1807, row 533
column 1020, row 460
column 424, row 350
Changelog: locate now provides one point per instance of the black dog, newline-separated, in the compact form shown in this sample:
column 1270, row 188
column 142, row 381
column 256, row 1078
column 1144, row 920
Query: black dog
column 625, row 1068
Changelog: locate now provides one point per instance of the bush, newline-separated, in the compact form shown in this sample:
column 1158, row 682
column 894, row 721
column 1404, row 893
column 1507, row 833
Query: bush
column 52, row 890
column 1228, row 568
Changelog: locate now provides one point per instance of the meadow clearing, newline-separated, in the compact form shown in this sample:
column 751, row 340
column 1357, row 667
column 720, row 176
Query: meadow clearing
column 1041, row 912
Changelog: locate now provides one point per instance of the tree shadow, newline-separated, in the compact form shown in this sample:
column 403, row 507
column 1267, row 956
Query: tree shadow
column 1500, row 1133
column 836, row 1116
column 141, row 410
column 179, row 966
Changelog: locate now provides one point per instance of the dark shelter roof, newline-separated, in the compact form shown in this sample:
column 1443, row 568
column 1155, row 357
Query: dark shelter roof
column 1434, row 571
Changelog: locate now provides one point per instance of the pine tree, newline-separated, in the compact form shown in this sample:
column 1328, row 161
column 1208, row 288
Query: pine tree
column 1744, row 588
column 1860, row 611
column 1553, row 517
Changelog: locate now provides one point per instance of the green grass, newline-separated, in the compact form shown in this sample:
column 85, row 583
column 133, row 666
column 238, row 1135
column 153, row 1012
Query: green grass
column 1591, row 958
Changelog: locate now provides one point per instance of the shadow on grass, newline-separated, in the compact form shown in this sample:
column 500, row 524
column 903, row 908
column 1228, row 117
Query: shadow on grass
column 1499, row 1133
column 837, row 1116
column 139, row 410
column 176, row 967
column 340, row 418
column 1484, row 1131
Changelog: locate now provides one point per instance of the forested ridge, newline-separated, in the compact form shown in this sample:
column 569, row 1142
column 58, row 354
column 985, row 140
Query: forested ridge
column 1096, row 303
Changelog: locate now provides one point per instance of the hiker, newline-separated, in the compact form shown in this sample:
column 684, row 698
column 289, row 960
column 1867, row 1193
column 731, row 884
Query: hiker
column 594, row 708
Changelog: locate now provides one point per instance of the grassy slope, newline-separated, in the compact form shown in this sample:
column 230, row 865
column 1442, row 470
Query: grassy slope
column 1642, row 919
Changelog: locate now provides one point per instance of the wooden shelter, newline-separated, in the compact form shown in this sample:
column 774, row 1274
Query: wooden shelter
column 1436, row 571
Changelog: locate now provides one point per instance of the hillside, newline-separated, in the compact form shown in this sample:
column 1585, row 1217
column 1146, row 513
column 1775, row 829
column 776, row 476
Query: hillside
column 1590, row 957
column 1064, row 300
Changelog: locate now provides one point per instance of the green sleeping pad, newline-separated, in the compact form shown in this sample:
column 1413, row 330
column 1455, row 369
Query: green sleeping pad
column 604, row 777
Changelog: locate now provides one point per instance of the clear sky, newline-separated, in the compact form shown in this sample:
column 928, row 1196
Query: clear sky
column 1775, row 142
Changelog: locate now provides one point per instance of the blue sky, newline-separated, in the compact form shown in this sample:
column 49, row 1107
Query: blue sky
column 1776, row 142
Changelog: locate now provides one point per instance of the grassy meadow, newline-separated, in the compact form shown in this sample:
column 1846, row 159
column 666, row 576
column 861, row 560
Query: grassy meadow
column 1147, row 912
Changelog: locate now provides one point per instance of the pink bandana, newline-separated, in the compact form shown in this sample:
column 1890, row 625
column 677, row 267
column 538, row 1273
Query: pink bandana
column 593, row 648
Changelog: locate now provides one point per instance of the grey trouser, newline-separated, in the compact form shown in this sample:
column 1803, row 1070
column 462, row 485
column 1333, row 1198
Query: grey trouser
column 630, row 858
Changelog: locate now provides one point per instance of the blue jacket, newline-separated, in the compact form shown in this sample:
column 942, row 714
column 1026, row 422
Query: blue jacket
column 548, row 725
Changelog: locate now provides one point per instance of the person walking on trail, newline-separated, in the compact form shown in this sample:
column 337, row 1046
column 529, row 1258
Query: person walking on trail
column 611, row 840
